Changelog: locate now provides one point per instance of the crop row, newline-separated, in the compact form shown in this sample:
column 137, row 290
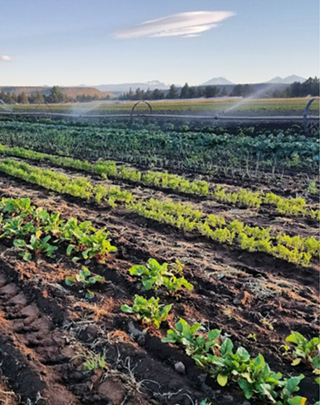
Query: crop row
column 21, row 221
column 182, row 216
column 243, row 197
column 195, row 151
column 35, row 230
column 215, row 352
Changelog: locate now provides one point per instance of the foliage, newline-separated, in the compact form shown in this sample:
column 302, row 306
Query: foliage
column 31, row 229
column 219, row 151
column 92, row 361
column 183, row 216
column 84, row 279
column 217, row 355
column 302, row 349
column 35, row 245
column 149, row 311
column 155, row 275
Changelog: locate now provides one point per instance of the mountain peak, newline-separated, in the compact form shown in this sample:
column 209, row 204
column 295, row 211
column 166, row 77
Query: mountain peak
column 217, row 80
column 287, row 80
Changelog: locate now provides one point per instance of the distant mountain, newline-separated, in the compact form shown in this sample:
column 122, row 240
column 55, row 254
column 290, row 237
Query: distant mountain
column 217, row 80
column 125, row 87
column 287, row 80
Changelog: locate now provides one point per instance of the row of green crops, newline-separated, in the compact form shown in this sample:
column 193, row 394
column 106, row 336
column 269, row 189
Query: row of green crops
column 24, row 223
column 193, row 151
column 182, row 216
column 34, row 230
column 242, row 198
column 215, row 352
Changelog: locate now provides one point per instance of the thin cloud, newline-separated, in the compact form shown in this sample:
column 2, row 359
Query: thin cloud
column 182, row 24
column 5, row 58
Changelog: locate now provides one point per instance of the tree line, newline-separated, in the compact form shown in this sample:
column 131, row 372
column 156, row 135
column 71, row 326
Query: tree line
column 56, row 95
column 308, row 88
column 174, row 93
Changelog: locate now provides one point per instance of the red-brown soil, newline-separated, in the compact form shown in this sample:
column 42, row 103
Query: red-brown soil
column 44, row 324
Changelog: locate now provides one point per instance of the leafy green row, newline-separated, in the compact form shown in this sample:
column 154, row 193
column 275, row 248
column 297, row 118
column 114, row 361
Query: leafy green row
column 215, row 353
column 77, row 187
column 198, row 151
column 35, row 230
column 244, row 197
column 183, row 216
column 253, row 375
column 217, row 356
column 293, row 249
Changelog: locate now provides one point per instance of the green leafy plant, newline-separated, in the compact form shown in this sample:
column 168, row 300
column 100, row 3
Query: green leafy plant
column 188, row 336
column 155, row 276
column 36, row 245
column 149, row 311
column 92, row 361
column 91, row 245
column 84, row 280
column 303, row 350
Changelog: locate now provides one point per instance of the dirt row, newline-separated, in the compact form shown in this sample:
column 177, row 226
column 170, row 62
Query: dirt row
column 239, row 293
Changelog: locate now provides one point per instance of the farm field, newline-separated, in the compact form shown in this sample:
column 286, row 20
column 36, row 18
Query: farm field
column 151, row 266
column 231, row 106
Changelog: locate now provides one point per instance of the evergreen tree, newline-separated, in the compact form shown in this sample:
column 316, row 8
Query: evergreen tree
column 36, row 98
column 22, row 98
column 199, row 91
column 157, row 95
column 173, row 92
column 211, row 91
column 56, row 95
column 185, row 91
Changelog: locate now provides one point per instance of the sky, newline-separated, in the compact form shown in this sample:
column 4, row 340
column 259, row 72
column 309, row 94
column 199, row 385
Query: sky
column 92, row 42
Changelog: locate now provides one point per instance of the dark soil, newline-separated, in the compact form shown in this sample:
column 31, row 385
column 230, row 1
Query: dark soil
column 44, row 324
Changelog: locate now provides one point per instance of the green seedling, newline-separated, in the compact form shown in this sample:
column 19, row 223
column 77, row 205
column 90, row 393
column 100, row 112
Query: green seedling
column 84, row 280
column 92, row 361
column 149, row 311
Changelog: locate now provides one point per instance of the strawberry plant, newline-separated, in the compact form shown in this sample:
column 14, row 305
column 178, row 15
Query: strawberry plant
column 149, row 311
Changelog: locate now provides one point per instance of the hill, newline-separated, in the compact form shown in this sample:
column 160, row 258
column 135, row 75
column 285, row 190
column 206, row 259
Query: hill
column 72, row 92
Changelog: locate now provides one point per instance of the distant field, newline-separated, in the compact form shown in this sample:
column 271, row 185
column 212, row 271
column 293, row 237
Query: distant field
column 294, row 106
